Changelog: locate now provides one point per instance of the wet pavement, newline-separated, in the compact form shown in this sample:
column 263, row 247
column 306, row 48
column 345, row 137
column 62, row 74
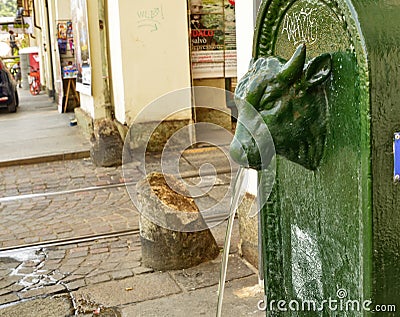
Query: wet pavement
column 40, row 271
column 107, row 273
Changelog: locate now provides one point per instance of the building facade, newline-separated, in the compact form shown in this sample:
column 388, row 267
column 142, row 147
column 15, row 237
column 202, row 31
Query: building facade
column 129, row 53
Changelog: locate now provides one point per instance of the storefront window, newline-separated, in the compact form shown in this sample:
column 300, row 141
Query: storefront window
column 213, row 38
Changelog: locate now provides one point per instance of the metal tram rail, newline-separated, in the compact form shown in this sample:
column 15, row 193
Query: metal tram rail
column 214, row 219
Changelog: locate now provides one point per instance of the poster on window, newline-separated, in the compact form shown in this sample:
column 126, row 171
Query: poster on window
column 81, row 49
column 24, row 26
column 213, row 38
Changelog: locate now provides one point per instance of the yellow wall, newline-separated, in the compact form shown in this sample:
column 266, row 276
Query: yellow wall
column 149, row 54
column 63, row 10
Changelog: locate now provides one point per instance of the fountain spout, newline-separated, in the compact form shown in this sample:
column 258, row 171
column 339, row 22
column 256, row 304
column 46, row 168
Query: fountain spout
column 289, row 98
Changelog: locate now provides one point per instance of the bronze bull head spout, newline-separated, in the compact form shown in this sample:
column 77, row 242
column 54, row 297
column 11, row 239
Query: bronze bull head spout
column 290, row 99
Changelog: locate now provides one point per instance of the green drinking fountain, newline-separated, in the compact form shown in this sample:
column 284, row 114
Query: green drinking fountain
column 325, row 79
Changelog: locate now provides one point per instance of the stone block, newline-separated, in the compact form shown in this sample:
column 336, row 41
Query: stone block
column 248, row 229
column 215, row 116
column 153, row 136
column 165, row 201
column 107, row 144
column 85, row 121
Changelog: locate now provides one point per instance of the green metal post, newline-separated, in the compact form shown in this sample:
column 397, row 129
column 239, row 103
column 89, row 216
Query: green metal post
column 331, row 225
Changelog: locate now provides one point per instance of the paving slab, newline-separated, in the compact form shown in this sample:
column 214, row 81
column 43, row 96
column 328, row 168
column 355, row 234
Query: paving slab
column 130, row 290
column 59, row 306
column 168, row 163
column 219, row 157
column 202, row 302
column 207, row 274
column 38, row 130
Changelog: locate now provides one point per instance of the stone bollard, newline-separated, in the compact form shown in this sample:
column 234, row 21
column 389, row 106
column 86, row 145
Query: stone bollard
column 165, row 204
column 106, row 143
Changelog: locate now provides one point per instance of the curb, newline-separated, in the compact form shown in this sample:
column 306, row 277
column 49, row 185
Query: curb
column 80, row 155
column 46, row 159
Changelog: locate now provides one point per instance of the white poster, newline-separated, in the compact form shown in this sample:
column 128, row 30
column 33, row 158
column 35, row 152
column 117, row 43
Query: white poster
column 213, row 38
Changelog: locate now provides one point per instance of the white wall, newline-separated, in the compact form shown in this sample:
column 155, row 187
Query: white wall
column 115, row 48
column 149, row 52
column 245, row 23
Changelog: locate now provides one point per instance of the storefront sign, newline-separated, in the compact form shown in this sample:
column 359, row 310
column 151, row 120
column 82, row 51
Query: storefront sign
column 25, row 27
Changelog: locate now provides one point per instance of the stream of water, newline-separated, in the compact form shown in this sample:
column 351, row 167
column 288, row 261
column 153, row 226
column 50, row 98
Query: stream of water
column 237, row 193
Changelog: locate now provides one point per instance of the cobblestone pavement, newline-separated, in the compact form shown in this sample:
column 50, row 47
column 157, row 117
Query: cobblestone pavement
column 50, row 216
column 70, row 199
column 56, row 176
column 84, row 271
column 66, row 216
column 35, row 272
column 98, row 204
column 75, row 174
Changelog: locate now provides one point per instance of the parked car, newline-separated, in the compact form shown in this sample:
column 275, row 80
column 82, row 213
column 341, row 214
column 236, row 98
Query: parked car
column 8, row 89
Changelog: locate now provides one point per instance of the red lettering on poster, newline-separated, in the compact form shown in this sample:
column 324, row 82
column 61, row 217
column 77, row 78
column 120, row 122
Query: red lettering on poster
column 203, row 33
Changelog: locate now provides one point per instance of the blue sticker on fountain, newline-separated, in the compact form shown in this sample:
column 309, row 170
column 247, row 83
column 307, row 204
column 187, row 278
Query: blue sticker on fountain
column 396, row 151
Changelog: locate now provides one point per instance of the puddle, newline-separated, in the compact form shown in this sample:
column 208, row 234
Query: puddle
column 29, row 271
column 27, row 268
column 20, row 255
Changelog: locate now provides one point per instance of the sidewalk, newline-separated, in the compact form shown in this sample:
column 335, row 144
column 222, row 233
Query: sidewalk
column 37, row 132
column 103, row 276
